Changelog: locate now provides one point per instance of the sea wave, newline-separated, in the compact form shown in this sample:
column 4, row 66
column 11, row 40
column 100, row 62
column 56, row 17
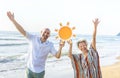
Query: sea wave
column 12, row 39
column 6, row 59
column 14, row 44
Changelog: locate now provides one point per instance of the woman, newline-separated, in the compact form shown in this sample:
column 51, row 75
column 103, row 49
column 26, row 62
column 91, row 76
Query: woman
column 86, row 64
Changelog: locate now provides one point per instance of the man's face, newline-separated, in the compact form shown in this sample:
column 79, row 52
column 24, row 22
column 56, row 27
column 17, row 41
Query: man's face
column 45, row 33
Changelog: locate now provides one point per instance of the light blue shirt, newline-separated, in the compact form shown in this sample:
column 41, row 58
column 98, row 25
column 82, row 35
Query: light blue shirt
column 38, row 52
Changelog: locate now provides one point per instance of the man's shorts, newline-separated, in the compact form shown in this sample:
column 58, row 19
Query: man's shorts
column 31, row 74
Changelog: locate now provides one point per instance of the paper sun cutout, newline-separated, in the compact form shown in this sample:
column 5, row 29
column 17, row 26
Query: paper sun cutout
column 65, row 32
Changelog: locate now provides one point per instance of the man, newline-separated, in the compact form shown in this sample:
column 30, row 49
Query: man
column 86, row 65
column 40, row 47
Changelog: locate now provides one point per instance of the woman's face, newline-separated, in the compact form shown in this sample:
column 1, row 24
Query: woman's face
column 83, row 46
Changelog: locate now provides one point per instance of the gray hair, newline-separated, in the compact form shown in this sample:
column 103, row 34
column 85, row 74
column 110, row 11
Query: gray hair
column 80, row 41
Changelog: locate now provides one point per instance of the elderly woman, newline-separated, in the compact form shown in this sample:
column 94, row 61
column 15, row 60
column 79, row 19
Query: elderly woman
column 86, row 64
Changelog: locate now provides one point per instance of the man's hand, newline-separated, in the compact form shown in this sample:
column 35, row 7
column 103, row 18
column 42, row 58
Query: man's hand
column 62, row 43
column 10, row 15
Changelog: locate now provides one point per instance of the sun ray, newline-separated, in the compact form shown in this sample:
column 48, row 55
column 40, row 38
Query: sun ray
column 57, row 37
column 61, row 24
column 73, row 28
column 56, row 30
column 68, row 23
column 74, row 35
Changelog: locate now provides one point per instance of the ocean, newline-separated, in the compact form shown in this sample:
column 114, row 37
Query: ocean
column 14, row 46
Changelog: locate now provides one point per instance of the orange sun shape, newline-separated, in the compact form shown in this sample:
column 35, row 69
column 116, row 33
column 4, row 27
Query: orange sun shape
column 65, row 32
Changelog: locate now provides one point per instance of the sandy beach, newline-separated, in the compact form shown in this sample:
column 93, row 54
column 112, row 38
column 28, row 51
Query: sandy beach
column 58, row 70
column 112, row 71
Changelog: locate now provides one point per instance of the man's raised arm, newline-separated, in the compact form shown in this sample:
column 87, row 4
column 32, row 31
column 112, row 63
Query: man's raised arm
column 17, row 25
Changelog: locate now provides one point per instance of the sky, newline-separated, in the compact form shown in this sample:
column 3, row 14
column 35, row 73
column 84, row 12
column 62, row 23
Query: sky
column 34, row 15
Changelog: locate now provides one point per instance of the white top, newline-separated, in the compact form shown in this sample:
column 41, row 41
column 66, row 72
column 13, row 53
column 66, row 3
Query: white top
column 38, row 53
